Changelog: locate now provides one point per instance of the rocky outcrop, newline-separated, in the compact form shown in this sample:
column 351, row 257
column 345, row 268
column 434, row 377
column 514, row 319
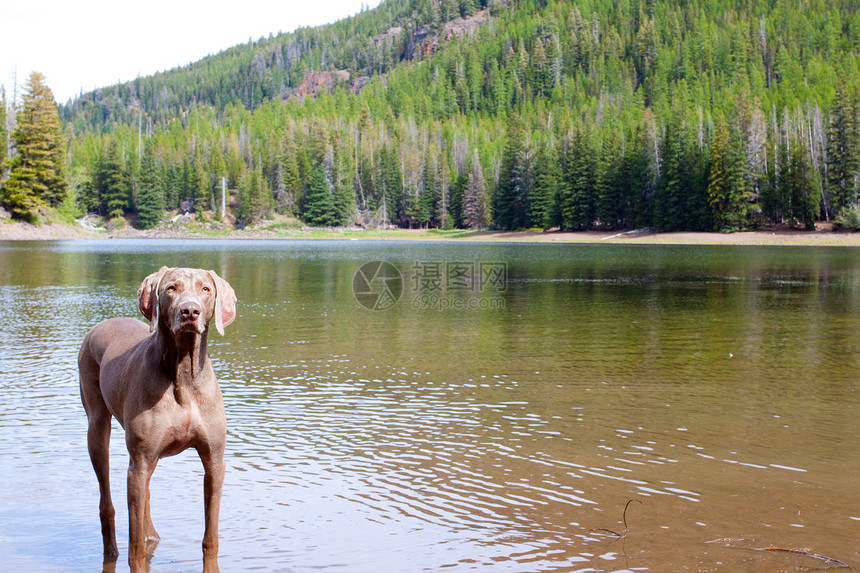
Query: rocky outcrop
column 315, row 82
column 424, row 42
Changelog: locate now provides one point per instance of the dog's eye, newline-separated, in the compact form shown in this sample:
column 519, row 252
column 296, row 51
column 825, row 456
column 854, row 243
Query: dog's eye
column 170, row 288
column 206, row 289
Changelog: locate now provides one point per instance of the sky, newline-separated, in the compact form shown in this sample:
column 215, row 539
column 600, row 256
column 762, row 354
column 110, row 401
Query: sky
column 80, row 46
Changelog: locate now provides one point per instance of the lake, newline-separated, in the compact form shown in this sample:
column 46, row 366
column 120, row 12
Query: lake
column 406, row 406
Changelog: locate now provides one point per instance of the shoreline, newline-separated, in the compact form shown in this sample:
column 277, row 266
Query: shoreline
column 822, row 236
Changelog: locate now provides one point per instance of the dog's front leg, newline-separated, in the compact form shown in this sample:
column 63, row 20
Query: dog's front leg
column 213, row 483
column 139, row 472
column 98, row 440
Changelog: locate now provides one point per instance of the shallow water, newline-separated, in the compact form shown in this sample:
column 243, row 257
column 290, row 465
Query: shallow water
column 499, row 426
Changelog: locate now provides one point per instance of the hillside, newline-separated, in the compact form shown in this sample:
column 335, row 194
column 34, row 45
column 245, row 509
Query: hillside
column 679, row 115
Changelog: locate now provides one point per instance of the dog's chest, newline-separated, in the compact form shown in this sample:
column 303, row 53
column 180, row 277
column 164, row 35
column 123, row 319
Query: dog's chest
column 184, row 428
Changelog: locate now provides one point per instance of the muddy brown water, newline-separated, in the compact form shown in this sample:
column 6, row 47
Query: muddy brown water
column 498, row 415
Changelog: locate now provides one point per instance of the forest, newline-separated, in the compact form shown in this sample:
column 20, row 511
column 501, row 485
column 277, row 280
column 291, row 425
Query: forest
column 705, row 115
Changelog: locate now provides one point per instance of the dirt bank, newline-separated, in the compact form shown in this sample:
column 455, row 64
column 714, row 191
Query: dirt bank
column 15, row 231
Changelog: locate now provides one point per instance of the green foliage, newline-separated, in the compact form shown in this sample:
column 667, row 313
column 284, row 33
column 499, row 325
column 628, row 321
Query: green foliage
column 803, row 186
column 4, row 133
column 476, row 213
column 320, row 210
column 150, row 199
column 577, row 197
column 513, row 190
column 113, row 195
column 37, row 175
column 843, row 150
column 665, row 113
column 848, row 219
column 542, row 208
column 255, row 198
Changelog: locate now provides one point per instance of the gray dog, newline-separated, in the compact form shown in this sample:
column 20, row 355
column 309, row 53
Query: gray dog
column 159, row 384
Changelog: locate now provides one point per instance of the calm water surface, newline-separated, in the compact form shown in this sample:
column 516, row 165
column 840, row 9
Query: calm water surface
column 715, row 386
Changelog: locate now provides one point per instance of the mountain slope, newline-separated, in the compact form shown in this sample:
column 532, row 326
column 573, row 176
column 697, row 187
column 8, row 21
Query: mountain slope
column 675, row 114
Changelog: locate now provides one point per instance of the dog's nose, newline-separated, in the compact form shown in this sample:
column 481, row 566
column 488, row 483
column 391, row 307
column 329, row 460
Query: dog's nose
column 189, row 310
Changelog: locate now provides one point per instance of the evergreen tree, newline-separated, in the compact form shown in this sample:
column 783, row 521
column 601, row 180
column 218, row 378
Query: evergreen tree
column 37, row 170
column 288, row 195
column 4, row 136
column 201, row 184
column 392, row 177
column 729, row 192
column 468, row 7
column 319, row 204
column 577, row 194
column 783, row 180
column 742, row 205
column 344, row 203
column 429, row 198
column 457, row 197
column 150, row 200
column 511, row 198
column 843, row 151
column 254, row 197
column 542, row 202
column 609, row 187
column 803, row 185
column 670, row 206
column 638, row 201
column 171, row 177
column 771, row 203
column 112, row 190
column 87, row 191
column 476, row 211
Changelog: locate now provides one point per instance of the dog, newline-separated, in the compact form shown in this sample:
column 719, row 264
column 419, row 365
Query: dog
column 158, row 383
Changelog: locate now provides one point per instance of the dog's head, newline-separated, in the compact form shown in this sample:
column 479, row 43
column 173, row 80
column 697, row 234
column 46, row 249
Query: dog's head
column 186, row 300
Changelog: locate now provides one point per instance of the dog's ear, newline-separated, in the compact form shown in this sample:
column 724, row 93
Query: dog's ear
column 147, row 297
column 225, row 303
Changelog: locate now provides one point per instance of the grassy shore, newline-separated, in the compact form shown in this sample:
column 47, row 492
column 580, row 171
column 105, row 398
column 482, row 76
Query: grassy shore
column 823, row 235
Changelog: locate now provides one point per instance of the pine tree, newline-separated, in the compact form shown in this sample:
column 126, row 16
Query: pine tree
column 803, row 185
column 171, row 181
column 742, row 203
column 344, row 192
column 201, row 184
column 577, row 196
column 457, row 196
column 4, row 135
column 150, row 200
column 468, row 7
column 635, row 180
column 87, row 192
column 319, row 204
column 288, row 196
column 722, row 176
column 112, row 190
column 428, row 200
column 254, row 197
column 670, row 205
column 392, row 177
column 37, row 170
column 609, row 187
column 476, row 211
column 511, row 198
column 542, row 202
column 843, row 152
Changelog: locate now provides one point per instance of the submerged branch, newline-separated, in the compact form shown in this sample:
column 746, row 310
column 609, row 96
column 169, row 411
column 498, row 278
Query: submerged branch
column 805, row 553
column 731, row 542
